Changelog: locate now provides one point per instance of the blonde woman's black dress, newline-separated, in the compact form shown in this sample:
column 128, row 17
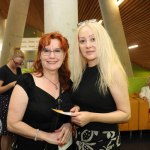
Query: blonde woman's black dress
column 95, row 135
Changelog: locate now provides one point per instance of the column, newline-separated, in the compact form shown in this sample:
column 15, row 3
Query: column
column 62, row 16
column 113, row 24
column 2, row 29
column 16, row 20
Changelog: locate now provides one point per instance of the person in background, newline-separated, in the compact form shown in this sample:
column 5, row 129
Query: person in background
column 145, row 92
column 31, row 115
column 100, row 89
column 8, row 76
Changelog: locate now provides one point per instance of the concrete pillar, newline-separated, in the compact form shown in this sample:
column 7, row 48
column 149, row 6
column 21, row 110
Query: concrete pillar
column 17, row 14
column 2, row 29
column 113, row 24
column 62, row 16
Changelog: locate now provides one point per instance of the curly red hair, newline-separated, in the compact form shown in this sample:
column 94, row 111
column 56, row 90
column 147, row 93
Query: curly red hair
column 64, row 72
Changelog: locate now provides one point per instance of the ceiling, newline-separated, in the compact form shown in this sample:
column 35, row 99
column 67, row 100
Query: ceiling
column 135, row 15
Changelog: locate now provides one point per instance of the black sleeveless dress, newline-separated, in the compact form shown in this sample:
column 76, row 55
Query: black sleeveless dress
column 95, row 135
column 39, row 113
column 7, row 76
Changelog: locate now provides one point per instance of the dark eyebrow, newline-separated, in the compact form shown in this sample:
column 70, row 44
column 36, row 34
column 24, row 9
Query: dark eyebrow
column 50, row 49
column 89, row 36
column 58, row 48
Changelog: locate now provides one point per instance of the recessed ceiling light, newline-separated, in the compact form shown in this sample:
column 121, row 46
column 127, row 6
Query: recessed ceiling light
column 133, row 46
column 119, row 2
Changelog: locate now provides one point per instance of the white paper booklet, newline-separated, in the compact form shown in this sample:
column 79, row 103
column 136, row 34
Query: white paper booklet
column 66, row 145
column 62, row 112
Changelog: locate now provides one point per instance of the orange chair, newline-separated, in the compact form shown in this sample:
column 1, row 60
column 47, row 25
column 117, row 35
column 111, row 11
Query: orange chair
column 132, row 124
column 144, row 115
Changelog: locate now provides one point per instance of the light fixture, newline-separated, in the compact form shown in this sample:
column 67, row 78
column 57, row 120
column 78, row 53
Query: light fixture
column 118, row 2
column 133, row 46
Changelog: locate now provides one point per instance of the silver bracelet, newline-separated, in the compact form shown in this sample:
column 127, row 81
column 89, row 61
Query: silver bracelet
column 36, row 134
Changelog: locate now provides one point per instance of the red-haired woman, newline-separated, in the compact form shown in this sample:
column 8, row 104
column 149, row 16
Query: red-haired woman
column 31, row 115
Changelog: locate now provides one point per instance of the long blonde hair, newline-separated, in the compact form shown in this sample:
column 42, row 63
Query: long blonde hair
column 107, row 58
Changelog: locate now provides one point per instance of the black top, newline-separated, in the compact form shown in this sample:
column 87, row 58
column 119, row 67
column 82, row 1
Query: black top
column 88, row 97
column 8, row 76
column 39, row 113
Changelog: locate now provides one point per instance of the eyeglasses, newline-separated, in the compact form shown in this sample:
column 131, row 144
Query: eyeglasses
column 57, row 52
column 18, row 63
column 86, row 21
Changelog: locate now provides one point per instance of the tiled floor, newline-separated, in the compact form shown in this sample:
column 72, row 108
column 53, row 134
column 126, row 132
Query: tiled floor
column 136, row 141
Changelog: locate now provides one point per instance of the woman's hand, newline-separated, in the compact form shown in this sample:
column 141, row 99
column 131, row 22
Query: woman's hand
column 65, row 133
column 12, row 84
column 81, row 118
column 59, row 137
column 75, row 109
column 52, row 138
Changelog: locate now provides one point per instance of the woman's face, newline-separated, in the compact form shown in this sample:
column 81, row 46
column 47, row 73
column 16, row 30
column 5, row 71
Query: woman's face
column 87, row 45
column 18, row 61
column 52, row 56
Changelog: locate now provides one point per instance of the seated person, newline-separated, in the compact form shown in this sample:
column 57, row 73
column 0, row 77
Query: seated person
column 145, row 92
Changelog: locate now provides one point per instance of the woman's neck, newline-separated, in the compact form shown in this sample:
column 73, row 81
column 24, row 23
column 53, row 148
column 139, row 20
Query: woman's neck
column 53, row 75
column 11, row 67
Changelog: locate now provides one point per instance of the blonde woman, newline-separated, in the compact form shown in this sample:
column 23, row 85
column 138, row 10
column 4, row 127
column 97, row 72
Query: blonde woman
column 8, row 76
column 100, row 90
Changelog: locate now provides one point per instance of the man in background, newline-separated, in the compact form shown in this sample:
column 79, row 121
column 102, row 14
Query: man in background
column 145, row 92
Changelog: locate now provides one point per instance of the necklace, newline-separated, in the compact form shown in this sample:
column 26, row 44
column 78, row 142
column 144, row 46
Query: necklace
column 55, row 84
